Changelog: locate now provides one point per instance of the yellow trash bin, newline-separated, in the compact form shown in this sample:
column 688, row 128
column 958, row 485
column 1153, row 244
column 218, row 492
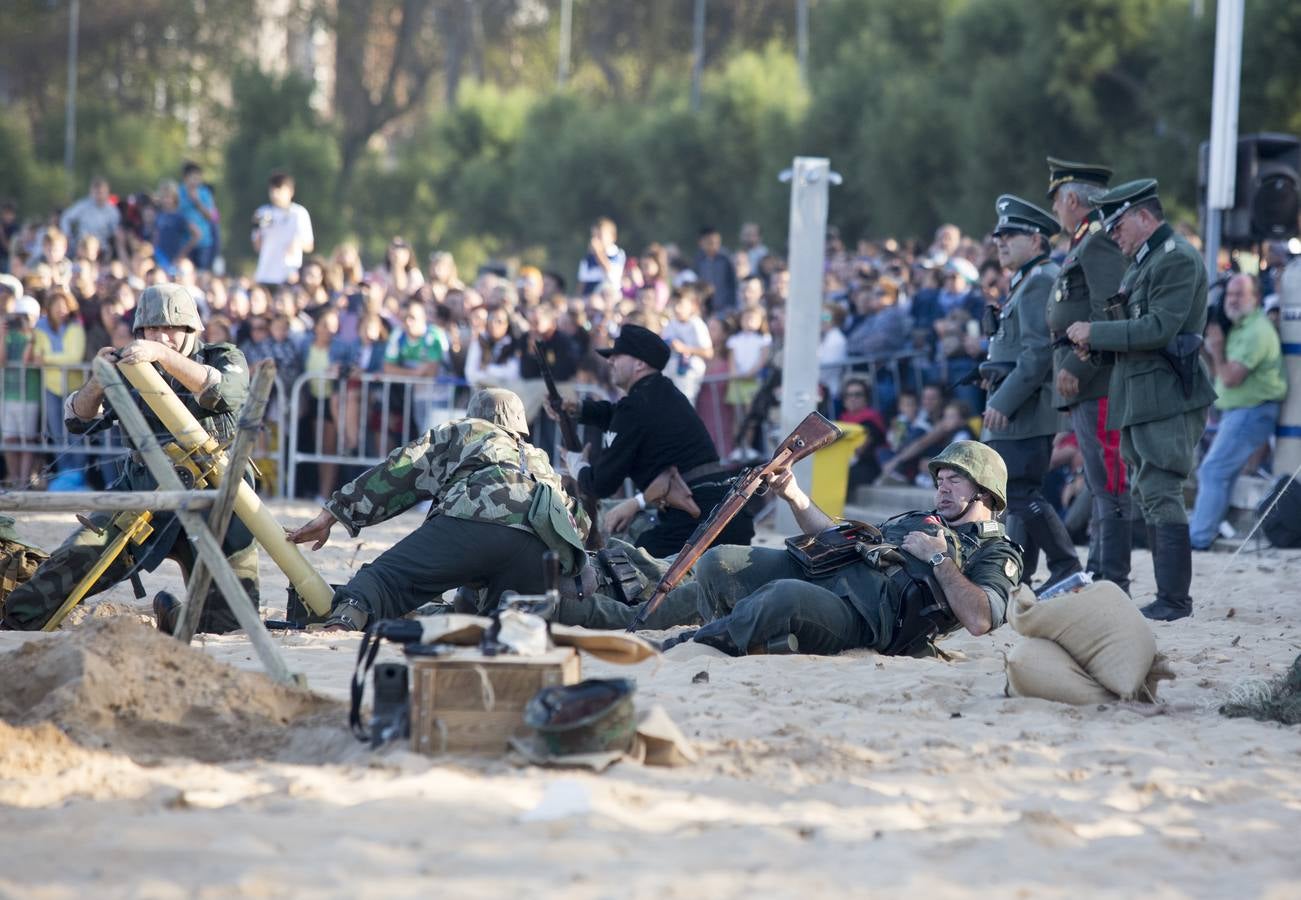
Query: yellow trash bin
column 831, row 469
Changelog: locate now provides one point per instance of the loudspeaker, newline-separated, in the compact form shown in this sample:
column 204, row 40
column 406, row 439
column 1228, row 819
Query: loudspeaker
column 1267, row 188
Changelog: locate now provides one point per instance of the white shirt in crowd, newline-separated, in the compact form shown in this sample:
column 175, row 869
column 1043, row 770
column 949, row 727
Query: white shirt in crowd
column 695, row 334
column 285, row 231
column 747, row 349
column 88, row 217
column 832, row 352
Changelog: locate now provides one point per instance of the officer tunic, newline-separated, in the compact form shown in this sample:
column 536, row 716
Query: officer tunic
column 217, row 409
column 1165, row 290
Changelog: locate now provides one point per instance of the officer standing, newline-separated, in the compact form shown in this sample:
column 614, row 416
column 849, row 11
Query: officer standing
column 497, row 507
column 1020, row 418
column 1089, row 276
column 937, row 571
column 212, row 381
column 654, row 427
column 1160, row 388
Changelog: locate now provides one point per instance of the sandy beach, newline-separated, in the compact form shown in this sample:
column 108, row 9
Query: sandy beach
column 854, row 775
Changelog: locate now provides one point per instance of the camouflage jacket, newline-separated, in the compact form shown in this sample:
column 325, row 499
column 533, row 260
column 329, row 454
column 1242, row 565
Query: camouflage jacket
column 469, row 469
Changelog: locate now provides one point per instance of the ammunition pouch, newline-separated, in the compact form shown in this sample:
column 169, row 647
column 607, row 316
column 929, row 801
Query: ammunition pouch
column 923, row 615
column 827, row 551
column 995, row 372
column 1116, row 307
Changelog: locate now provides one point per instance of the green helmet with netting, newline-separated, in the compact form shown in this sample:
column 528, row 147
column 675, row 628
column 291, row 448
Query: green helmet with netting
column 166, row 305
column 979, row 462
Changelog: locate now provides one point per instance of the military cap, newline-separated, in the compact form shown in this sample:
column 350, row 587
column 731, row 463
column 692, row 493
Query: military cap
column 1015, row 214
column 1061, row 171
column 642, row 343
column 1116, row 201
column 9, row 533
column 500, row 407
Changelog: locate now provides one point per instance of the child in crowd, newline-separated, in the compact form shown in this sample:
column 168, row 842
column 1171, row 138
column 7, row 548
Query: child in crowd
column 748, row 350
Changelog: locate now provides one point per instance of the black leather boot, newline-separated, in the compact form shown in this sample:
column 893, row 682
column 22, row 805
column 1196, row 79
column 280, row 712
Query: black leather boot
column 1018, row 531
column 1052, row 537
column 1115, row 539
column 167, row 610
column 1172, row 563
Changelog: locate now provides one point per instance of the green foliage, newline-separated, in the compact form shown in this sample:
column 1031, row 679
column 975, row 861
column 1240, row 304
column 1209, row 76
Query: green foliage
column 35, row 185
column 133, row 151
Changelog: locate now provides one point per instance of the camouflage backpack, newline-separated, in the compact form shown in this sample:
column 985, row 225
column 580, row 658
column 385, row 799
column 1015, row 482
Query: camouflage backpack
column 18, row 560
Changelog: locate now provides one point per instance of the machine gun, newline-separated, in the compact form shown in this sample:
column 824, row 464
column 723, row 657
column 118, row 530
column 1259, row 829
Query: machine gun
column 812, row 434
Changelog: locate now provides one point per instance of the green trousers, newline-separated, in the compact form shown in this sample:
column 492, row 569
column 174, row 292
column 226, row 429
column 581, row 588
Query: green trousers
column 1161, row 455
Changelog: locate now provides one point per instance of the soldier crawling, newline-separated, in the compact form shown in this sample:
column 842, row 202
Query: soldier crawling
column 212, row 381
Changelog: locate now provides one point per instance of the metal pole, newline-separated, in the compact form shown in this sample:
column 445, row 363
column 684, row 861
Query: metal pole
column 809, row 177
column 1223, row 160
column 802, row 38
column 697, row 53
column 566, row 41
column 70, row 115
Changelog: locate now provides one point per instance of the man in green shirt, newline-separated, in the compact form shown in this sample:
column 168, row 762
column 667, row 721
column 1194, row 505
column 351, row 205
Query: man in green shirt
column 1249, row 379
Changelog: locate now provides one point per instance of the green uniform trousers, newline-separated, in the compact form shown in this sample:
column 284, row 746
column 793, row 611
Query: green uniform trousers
column 1161, row 455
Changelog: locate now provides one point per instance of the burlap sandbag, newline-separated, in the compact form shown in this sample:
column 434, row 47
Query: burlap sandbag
column 1039, row 668
column 1099, row 627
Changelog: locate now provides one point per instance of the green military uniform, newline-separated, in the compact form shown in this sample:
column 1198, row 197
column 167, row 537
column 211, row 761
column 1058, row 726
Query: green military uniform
column 1089, row 276
column 1161, row 414
column 216, row 407
column 753, row 596
column 496, row 507
column 1019, row 369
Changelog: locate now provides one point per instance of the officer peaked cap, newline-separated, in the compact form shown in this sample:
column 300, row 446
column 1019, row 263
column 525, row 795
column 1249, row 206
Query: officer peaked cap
column 1116, row 201
column 1016, row 214
column 1061, row 171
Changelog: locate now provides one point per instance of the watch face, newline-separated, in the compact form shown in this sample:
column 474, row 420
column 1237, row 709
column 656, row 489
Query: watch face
column 937, row 559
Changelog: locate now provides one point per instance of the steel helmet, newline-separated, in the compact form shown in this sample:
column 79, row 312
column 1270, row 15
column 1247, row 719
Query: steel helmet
column 979, row 462
column 164, row 305
column 593, row 716
column 500, row 407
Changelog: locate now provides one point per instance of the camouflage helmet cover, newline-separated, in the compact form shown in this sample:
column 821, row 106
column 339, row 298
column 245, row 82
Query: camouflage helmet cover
column 979, row 462
column 166, row 305
column 500, row 407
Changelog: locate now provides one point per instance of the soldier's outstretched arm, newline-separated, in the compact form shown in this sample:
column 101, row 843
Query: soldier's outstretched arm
column 317, row 530
column 808, row 516
column 411, row 474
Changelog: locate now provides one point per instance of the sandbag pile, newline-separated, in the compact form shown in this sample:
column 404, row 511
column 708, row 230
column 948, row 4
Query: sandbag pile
column 1088, row 646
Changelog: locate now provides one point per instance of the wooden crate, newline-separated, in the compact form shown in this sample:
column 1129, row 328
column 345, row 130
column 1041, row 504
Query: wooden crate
column 450, row 690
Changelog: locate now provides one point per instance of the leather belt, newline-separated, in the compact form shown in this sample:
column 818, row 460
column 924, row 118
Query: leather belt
column 699, row 472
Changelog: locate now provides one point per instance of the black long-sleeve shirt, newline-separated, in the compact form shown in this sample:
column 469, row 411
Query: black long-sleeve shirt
column 654, row 427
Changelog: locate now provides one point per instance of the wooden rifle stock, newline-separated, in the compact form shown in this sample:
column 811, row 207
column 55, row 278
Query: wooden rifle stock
column 812, row 434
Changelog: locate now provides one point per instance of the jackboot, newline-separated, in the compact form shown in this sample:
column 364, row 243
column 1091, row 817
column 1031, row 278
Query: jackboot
column 167, row 610
column 1052, row 537
column 1172, row 563
column 1115, row 538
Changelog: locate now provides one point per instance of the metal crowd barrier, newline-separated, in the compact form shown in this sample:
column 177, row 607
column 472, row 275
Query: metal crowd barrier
column 363, row 418
column 107, row 448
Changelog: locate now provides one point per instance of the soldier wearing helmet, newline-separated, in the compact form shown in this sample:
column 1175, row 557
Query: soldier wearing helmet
column 212, row 381
column 894, row 589
column 496, row 507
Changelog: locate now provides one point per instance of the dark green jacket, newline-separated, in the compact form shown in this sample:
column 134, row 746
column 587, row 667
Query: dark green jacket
column 1089, row 275
column 1166, row 296
column 1025, row 395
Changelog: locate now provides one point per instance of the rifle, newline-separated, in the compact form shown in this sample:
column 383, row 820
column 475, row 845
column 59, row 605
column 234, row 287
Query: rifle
column 570, row 440
column 812, row 434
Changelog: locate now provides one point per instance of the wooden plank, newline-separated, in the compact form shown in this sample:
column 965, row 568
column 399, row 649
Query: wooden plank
column 107, row 501
column 250, row 423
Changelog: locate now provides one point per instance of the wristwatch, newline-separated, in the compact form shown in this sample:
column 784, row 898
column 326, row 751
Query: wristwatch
column 939, row 558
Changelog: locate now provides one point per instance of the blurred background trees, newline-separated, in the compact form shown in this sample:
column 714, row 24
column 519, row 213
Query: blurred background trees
column 443, row 120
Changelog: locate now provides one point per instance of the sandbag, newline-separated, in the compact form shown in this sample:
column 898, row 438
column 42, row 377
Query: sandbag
column 1037, row 667
column 1099, row 627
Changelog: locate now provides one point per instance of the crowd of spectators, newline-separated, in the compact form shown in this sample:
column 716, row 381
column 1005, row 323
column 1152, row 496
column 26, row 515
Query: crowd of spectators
column 901, row 323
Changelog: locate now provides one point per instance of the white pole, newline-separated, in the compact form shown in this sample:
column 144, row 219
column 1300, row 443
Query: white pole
column 809, row 178
column 697, row 53
column 70, row 113
column 566, row 37
column 802, row 38
column 1224, row 124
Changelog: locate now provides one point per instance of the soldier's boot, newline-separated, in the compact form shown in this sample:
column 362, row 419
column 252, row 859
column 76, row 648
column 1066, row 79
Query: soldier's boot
column 716, row 635
column 1115, row 541
column 1172, row 563
column 1055, row 541
column 217, row 617
column 348, row 613
column 669, row 643
column 1017, row 531
column 466, row 601
column 167, row 609
column 30, row 605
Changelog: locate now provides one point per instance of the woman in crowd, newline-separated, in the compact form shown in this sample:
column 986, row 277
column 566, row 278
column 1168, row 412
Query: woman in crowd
column 62, row 342
column 399, row 272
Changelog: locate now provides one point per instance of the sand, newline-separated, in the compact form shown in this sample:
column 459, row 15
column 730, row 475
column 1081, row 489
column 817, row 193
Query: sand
column 130, row 767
